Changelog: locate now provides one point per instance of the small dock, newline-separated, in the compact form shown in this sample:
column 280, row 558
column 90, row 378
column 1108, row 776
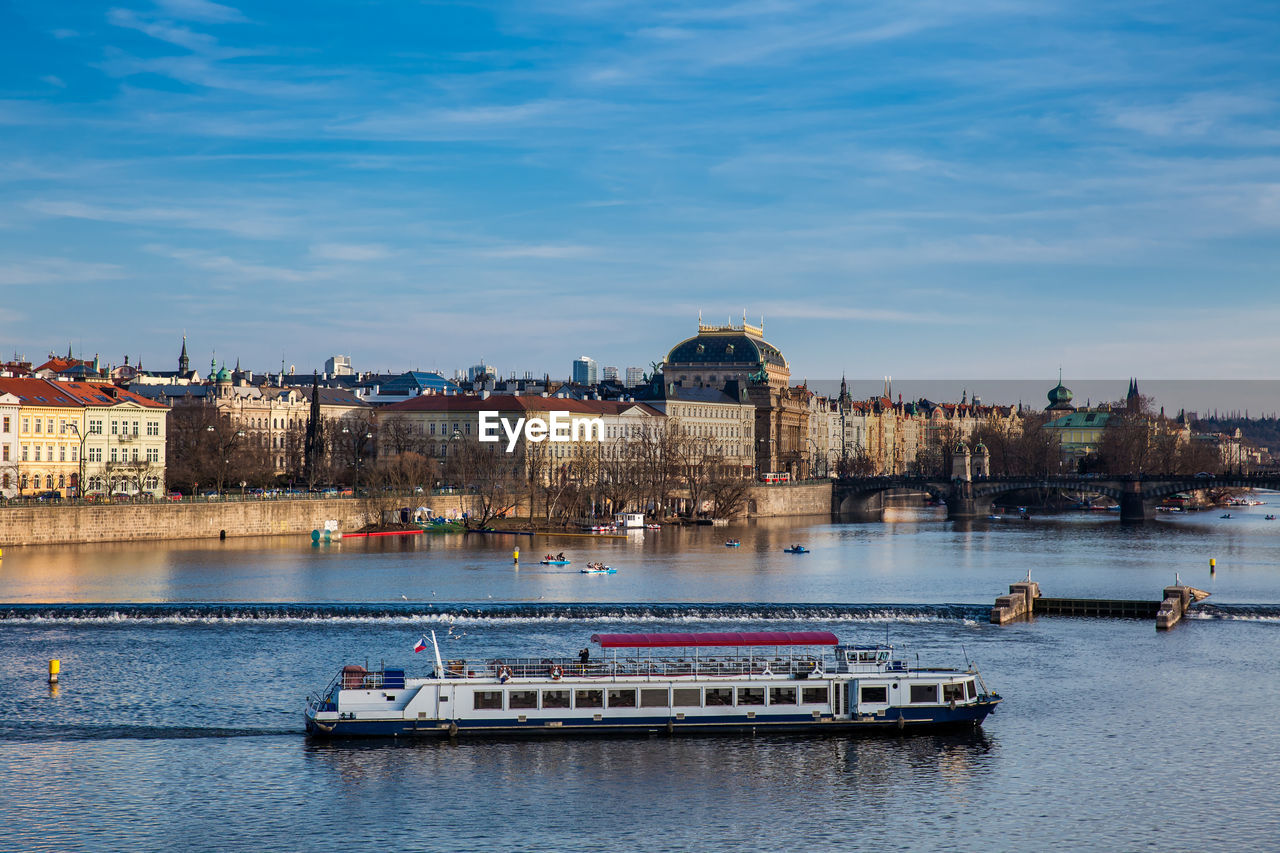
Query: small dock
column 1024, row 601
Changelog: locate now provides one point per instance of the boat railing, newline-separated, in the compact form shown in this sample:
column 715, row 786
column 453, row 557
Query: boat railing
column 794, row 666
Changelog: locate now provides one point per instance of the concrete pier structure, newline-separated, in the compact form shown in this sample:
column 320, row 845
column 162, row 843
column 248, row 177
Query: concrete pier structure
column 1018, row 604
column 1177, row 601
column 1024, row 601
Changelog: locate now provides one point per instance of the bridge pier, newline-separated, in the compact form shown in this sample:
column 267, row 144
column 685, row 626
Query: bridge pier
column 1133, row 508
column 961, row 504
column 868, row 506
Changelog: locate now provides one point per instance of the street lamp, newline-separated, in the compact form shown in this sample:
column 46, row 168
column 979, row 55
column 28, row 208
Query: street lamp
column 357, row 445
column 80, row 476
column 224, row 448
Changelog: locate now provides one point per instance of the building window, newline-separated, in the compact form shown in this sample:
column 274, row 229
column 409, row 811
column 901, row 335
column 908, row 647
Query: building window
column 48, row 481
column 62, row 454
column 114, row 427
column 113, row 454
column 39, row 423
column 153, row 454
column 6, row 423
column 75, row 451
column 50, row 429
column 24, row 482
column 24, row 453
column 6, row 453
column 62, row 481
column 813, row 695
column 37, row 452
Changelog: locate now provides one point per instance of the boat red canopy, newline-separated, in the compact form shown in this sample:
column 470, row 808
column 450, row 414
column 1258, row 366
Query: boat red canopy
column 750, row 638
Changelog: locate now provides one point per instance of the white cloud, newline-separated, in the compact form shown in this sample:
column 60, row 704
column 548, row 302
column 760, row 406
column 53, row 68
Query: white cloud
column 201, row 10
column 540, row 251
column 350, row 251
column 56, row 271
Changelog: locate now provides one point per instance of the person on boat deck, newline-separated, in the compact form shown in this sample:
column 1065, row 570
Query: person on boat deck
column 584, row 656
column 560, row 556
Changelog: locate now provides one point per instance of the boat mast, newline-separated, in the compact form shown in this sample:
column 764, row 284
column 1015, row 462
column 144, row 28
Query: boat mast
column 439, row 663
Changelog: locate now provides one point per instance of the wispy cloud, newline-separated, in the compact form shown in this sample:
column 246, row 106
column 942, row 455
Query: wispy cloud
column 56, row 271
column 350, row 251
column 202, row 10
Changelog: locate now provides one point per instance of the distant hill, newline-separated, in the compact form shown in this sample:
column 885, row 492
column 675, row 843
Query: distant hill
column 1260, row 432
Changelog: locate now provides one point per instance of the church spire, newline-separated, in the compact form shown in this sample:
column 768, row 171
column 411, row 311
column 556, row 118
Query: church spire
column 184, row 363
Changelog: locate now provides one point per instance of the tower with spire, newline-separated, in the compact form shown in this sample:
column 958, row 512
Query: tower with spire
column 184, row 363
column 1132, row 400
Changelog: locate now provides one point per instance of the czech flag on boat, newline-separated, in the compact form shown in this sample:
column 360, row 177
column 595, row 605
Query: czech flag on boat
column 421, row 646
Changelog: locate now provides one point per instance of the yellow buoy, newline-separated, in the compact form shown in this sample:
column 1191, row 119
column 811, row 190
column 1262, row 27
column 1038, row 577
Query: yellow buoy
column 515, row 555
column 55, row 666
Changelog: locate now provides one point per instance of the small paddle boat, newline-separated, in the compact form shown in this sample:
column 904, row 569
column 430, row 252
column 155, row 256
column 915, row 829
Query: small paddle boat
column 733, row 543
column 555, row 560
column 796, row 549
column 598, row 569
column 1225, row 515
column 1268, row 518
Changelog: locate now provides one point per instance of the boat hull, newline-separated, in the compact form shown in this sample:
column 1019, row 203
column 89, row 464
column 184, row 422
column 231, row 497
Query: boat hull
column 898, row 720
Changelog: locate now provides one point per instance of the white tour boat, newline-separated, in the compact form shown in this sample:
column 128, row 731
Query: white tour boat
column 705, row 682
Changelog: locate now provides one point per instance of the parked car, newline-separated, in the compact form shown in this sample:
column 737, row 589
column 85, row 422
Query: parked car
column 174, row 496
column 51, row 497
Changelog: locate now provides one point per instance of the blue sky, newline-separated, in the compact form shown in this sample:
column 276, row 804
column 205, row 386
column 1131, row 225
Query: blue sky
column 933, row 189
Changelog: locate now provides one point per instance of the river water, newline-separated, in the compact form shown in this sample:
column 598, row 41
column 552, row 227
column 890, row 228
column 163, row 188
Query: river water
column 177, row 722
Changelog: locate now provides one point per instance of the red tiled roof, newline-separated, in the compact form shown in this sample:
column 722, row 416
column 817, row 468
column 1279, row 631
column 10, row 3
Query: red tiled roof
column 38, row 392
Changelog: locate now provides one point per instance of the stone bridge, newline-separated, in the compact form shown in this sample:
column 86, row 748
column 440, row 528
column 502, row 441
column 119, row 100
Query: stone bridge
column 862, row 498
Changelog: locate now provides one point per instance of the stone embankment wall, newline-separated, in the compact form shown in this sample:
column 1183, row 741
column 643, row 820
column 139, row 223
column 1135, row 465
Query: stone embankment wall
column 798, row 499
column 59, row 525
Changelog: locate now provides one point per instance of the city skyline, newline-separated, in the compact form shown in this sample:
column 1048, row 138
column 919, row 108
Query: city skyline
column 993, row 191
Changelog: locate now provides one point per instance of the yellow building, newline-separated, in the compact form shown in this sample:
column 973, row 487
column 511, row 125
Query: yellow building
column 50, row 423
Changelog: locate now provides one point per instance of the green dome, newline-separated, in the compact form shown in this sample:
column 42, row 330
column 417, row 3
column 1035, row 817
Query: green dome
column 725, row 349
column 224, row 375
column 1060, row 397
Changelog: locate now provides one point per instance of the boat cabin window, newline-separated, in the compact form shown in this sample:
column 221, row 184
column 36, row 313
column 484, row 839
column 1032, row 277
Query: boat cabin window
column 522, row 699
column 973, row 691
column 653, row 697
column 622, row 698
column 686, row 697
column 719, row 696
column 488, row 700
column 953, row 692
column 875, row 695
column 782, row 696
column 814, row 695
column 924, row 693
column 555, row 698
column 750, row 695
column 588, row 698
